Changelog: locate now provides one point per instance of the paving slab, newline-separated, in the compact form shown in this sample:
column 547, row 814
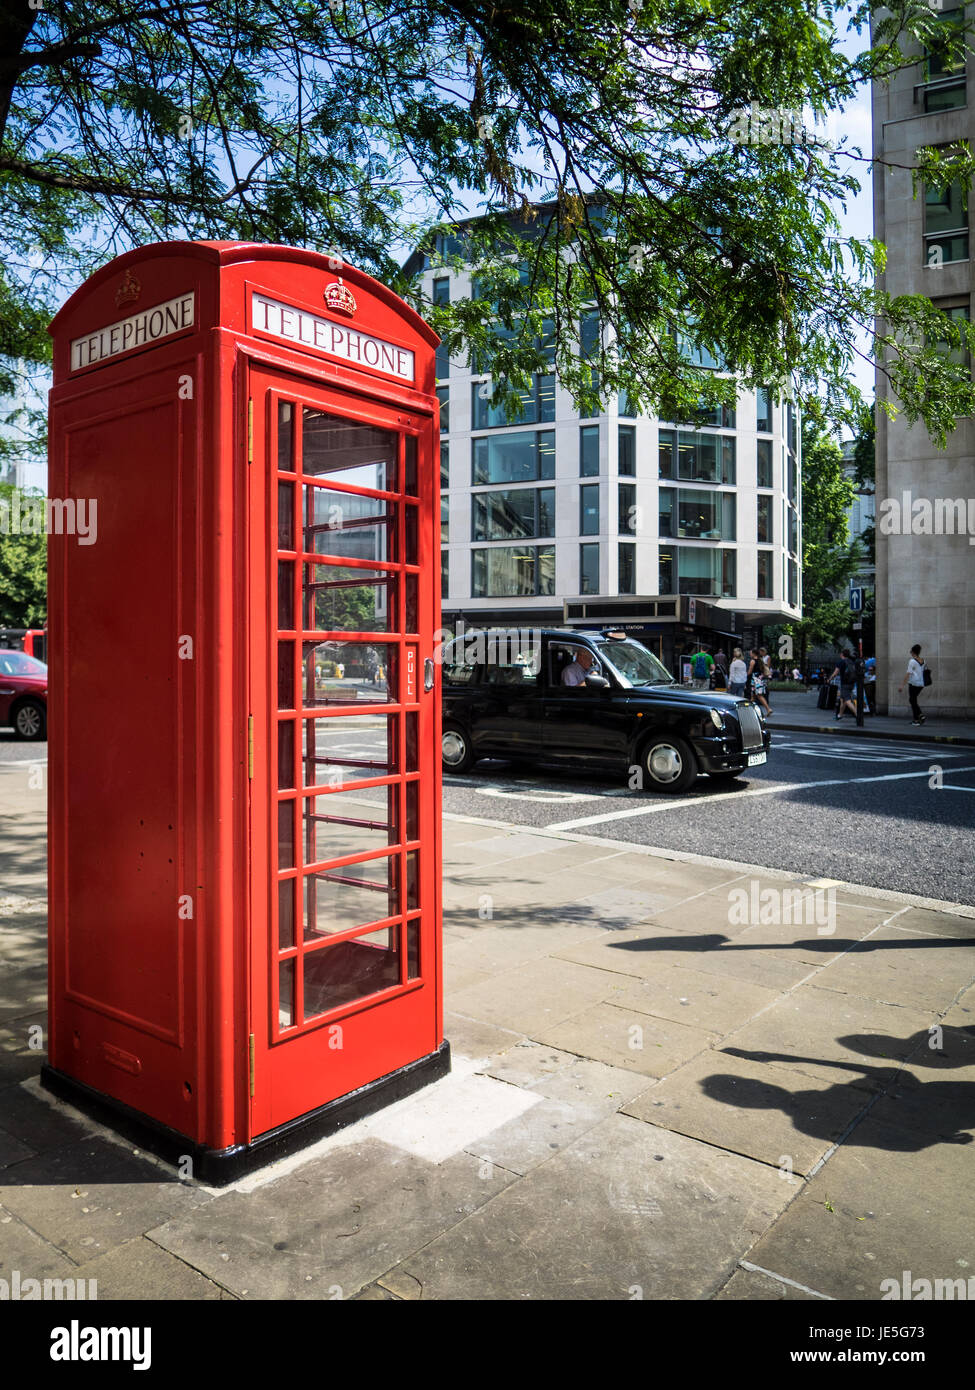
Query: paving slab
column 333, row 1225
column 22, row 992
column 469, row 1037
column 625, row 1212
column 495, row 947
column 752, row 1108
column 23, row 1249
column 537, row 995
column 899, row 966
column 753, row 1286
column 643, row 951
column 92, row 1196
column 575, row 1095
column 38, row 1119
column 820, row 1032
column 922, row 919
column 140, row 1270
column 862, row 1219
column 696, row 998
column 632, row 1041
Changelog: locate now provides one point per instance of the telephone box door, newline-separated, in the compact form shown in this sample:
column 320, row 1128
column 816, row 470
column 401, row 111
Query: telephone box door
column 344, row 572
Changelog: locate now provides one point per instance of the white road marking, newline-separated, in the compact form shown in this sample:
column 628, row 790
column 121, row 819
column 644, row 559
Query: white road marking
column 775, row 790
column 860, row 752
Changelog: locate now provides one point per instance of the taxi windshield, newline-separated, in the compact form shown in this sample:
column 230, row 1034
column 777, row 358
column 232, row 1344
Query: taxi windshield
column 634, row 664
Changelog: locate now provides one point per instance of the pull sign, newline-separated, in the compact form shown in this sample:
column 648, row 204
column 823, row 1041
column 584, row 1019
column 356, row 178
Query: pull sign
column 410, row 696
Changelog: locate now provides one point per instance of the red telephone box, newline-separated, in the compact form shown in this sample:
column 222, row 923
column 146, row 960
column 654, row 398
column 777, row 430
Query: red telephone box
column 245, row 849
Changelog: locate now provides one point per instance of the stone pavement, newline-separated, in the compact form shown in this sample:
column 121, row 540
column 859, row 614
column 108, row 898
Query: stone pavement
column 650, row 1098
column 796, row 710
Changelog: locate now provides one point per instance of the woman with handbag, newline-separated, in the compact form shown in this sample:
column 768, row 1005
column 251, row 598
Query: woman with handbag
column 758, row 680
column 918, row 676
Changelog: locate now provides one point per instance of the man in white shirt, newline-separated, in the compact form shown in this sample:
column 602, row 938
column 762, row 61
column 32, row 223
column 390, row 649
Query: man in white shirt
column 575, row 673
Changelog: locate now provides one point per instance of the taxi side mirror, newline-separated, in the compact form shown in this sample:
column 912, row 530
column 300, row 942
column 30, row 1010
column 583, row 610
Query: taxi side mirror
column 597, row 682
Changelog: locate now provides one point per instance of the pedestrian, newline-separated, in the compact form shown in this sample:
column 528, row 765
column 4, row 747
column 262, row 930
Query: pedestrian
column 758, row 679
column 720, row 672
column 914, row 679
column 701, row 663
column 737, row 673
column 846, row 672
column 870, row 685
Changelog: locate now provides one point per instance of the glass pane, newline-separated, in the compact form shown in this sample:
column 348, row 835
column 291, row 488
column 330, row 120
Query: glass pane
column 337, row 598
column 348, row 450
column 336, row 672
column 286, row 993
column 412, row 810
column 286, row 675
column 412, row 880
column 337, row 900
column 412, row 746
column 286, row 913
column 413, row 950
column 285, row 436
column 410, row 537
column 286, row 594
column 346, row 525
column 286, row 754
column 350, row 970
column 409, row 455
column 286, row 518
column 286, row 834
column 411, row 581
column 342, row 823
column 350, row 748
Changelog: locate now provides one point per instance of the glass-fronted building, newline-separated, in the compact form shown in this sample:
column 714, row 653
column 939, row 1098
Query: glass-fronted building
column 681, row 531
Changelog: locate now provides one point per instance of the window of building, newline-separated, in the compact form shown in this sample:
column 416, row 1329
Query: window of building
column 711, row 416
column 698, row 515
column 764, row 582
column 443, row 396
column 627, row 451
column 589, row 451
column 537, row 405
column 944, row 75
column 764, row 521
column 589, row 509
column 589, row 569
column 441, row 295
column 627, row 568
column 624, row 407
column 792, row 478
column 945, row 225
column 517, row 571
column 793, row 584
column 444, row 574
column 764, row 406
column 688, row 569
column 444, row 520
column 444, row 463
column 693, row 456
column 764, row 462
column 960, row 313
column 626, row 509
column 515, row 514
column 793, row 531
column 514, row 458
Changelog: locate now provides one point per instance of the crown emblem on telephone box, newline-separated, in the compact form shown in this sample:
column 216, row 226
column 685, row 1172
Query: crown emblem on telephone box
column 128, row 291
column 340, row 298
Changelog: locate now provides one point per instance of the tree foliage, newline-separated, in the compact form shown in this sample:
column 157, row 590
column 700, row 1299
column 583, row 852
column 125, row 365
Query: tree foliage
column 23, row 571
column 600, row 137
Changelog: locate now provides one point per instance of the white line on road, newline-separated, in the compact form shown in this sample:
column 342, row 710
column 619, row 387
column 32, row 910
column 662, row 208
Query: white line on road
column 738, row 796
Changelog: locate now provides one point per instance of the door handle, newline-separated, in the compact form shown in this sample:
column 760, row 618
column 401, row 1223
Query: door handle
column 428, row 673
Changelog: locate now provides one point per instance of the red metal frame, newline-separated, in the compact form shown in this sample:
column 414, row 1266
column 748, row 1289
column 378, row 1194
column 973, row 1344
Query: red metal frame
column 173, row 1015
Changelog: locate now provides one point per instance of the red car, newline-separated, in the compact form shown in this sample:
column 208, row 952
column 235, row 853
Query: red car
column 23, row 694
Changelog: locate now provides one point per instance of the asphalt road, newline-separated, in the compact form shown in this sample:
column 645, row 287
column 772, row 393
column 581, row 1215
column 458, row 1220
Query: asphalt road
column 873, row 811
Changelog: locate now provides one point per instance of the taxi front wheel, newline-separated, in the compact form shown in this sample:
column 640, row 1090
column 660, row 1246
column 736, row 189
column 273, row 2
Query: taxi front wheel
column 669, row 765
column 456, row 749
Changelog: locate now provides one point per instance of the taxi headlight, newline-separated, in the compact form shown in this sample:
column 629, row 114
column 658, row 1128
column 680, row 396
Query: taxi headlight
column 717, row 719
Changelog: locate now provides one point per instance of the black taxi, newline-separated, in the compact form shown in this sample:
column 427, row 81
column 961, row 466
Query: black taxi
column 589, row 699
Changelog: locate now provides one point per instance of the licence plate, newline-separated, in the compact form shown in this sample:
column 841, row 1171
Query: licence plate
column 756, row 759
